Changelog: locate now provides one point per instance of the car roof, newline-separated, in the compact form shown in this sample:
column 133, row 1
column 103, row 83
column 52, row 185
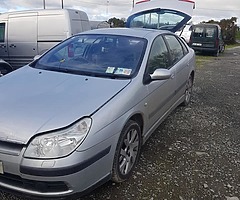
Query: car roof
column 133, row 32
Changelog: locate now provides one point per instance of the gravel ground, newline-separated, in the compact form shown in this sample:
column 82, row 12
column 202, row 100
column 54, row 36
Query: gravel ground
column 195, row 153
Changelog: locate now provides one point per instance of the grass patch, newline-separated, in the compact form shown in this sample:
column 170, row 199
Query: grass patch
column 229, row 46
column 238, row 35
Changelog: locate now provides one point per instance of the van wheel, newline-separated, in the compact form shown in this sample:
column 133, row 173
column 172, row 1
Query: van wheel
column 188, row 92
column 127, row 152
column 217, row 53
column 223, row 49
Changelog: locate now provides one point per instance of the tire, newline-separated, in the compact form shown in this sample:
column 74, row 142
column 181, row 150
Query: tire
column 217, row 53
column 188, row 91
column 222, row 49
column 127, row 152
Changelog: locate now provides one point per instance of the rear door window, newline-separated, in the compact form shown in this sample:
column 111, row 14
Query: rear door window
column 198, row 32
column 210, row 32
column 176, row 49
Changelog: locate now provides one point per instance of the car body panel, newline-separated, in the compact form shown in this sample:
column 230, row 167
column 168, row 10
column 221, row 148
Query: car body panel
column 60, row 92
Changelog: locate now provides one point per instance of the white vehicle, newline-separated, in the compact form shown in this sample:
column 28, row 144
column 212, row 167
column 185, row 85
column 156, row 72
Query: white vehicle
column 157, row 14
column 185, row 33
column 25, row 34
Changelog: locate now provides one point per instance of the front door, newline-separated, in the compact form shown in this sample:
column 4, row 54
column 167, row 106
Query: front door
column 161, row 92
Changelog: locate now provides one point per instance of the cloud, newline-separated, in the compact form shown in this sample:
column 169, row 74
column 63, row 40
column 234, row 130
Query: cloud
column 105, row 9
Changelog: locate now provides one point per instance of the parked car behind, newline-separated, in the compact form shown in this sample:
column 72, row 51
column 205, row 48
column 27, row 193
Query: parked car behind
column 25, row 34
column 207, row 38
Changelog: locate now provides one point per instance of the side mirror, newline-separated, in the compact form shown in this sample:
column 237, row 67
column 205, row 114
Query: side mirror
column 161, row 74
column 36, row 57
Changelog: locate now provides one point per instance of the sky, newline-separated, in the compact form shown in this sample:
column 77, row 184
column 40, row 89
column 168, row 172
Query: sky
column 105, row 9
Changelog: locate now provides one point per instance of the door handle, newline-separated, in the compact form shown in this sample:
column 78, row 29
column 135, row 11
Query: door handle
column 13, row 46
column 3, row 46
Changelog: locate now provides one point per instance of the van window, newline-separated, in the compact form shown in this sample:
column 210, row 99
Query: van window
column 209, row 32
column 2, row 32
column 206, row 32
column 198, row 32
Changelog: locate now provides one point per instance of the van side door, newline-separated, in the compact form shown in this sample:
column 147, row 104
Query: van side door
column 22, row 35
column 3, row 41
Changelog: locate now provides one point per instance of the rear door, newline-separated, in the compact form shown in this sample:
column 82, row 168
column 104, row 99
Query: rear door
column 22, row 38
column 204, row 37
column 161, row 14
column 179, row 63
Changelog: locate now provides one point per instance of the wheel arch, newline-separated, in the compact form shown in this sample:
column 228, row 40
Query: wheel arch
column 139, row 119
column 6, row 65
column 192, row 74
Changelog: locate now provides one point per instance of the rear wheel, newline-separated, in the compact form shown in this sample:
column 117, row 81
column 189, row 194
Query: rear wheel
column 217, row 53
column 222, row 49
column 127, row 152
column 188, row 91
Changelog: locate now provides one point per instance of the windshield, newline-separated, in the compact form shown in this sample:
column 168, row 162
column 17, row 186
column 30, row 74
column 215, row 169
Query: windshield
column 95, row 55
column 158, row 19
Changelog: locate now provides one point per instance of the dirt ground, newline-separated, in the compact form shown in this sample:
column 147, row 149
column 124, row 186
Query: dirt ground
column 195, row 153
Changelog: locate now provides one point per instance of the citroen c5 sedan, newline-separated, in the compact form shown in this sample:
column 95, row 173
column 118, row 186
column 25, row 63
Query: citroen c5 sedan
column 78, row 115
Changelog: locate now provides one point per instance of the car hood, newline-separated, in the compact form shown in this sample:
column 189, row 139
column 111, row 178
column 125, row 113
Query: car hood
column 34, row 101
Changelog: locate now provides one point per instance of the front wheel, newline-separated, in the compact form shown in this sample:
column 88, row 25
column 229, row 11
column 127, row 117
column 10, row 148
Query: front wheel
column 127, row 152
column 188, row 91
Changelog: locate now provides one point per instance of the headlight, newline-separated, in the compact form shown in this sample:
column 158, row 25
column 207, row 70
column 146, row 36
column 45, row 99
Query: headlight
column 58, row 143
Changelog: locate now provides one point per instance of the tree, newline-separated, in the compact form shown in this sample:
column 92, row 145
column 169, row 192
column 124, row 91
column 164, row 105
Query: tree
column 229, row 29
column 114, row 22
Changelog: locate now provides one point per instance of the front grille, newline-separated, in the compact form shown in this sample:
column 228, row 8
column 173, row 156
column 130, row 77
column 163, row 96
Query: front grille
column 39, row 186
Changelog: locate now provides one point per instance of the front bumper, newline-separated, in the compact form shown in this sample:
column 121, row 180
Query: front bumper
column 61, row 177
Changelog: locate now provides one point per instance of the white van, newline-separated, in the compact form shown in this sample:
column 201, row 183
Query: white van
column 25, row 34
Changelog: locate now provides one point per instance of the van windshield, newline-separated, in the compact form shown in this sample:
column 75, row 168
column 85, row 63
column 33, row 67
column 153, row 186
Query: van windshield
column 96, row 55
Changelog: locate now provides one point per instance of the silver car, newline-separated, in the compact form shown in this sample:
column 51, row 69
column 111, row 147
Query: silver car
column 78, row 116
